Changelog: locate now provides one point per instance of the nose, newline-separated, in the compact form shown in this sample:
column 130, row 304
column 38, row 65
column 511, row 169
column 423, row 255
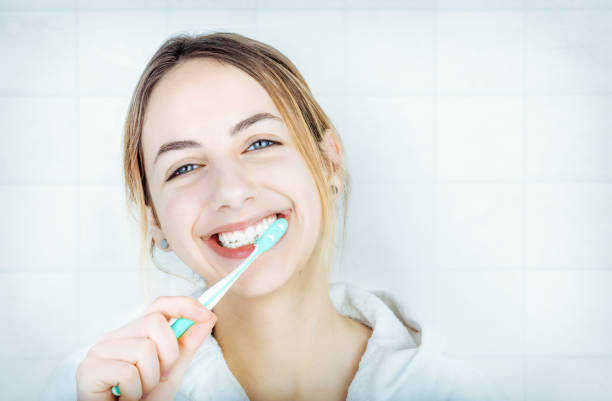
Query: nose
column 232, row 187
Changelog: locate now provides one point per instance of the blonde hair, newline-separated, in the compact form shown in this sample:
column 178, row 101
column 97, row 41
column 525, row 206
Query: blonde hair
column 305, row 119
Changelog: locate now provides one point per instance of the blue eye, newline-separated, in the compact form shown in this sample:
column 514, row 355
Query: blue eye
column 186, row 168
column 181, row 170
column 263, row 140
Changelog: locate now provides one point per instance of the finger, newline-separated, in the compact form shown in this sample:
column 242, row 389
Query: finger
column 155, row 326
column 139, row 351
column 168, row 307
column 96, row 377
column 179, row 306
column 190, row 342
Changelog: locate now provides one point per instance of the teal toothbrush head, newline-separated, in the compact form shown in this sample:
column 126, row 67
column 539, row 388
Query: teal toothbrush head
column 271, row 235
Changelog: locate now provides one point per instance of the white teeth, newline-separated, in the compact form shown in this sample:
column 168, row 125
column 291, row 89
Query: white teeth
column 237, row 239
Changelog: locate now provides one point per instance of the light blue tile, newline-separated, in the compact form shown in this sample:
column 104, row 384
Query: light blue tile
column 101, row 121
column 300, row 4
column 479, row 312
column 568, row 52
column 121, row 4
column 390, row 139
column 233, row 4
column 390, row 52
column 109, row 300
column 480, row 52
column 39, row 53
column 390, row 4
column 29, row 5
column 389, row 225
column 480, row 4
column 194, row 22
column 35, row 303
column 568, row 313
column 569, row 225
column 108, row 237
column 315, row 46
column 567, row 4
column 40, row 144
column 479, row 137
column 479, row 225
column 504, row 373
column 568, row 137
column 114, row 48
column 39, row 227
column 568, row 379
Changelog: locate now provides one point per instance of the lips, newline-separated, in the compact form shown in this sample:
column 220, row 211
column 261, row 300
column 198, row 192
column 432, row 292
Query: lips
column 238, row 253
column 246, row 223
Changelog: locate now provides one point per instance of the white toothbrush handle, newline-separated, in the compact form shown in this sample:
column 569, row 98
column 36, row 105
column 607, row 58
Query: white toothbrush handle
column 214, row 294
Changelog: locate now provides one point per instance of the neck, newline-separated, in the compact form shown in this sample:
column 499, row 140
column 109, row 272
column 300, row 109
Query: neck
column 298, row 312
column 279, row 340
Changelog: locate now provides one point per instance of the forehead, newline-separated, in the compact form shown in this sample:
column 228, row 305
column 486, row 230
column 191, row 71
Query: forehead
column 197, row 97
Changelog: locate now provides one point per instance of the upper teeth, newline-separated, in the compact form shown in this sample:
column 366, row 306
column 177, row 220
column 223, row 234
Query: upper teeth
column 240, row 238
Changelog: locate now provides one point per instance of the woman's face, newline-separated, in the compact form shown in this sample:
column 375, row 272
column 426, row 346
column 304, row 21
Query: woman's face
column 224, row 176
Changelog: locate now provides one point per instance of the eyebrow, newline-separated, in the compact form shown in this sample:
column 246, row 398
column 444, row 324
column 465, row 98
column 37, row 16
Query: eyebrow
column 241, row 126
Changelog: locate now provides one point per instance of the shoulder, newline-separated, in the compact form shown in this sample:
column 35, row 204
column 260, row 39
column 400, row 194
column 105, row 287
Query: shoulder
column 424, row 374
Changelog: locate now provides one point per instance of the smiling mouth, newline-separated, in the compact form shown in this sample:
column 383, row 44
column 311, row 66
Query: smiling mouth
column 216, row 235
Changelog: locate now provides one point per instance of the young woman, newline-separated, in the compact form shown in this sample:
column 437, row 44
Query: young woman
column 223, row 133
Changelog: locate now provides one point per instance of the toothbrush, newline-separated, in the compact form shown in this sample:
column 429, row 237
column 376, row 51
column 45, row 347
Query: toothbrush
column 213, row 295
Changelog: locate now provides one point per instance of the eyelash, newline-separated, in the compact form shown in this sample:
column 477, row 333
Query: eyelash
column 174, row 174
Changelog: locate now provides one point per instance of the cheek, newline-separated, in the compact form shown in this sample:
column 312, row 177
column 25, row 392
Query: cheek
column 181, row 210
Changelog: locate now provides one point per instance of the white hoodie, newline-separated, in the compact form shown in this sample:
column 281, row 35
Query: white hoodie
column 401, row 362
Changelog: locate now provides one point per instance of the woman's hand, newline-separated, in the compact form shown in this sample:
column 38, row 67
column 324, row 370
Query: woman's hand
column 144, row 357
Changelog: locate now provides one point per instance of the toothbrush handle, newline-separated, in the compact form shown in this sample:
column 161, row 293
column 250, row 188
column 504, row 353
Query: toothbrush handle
column 181, row 325
column 210, row 298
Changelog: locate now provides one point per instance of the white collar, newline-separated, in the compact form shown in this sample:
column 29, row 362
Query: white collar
column 393, row 330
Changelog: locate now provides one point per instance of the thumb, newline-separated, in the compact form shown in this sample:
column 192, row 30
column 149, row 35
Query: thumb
column 189, row 343
column 191, row 340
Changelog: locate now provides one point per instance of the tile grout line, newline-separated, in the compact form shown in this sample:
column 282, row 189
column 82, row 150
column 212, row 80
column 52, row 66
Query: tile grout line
column 524, row 207
column 78, row 186
column 435, row 272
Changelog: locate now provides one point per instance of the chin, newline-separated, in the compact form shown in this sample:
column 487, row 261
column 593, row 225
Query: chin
column 261, row 279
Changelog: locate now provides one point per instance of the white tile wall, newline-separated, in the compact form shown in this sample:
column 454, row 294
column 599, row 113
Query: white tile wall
column 39, row 52
column 100, row 139
column 556, row 128
column 479, row 226
column 480, row 52
column 390, row 52
column 568, row 225
column 31, row 123
column 390, row 138
column 568, row 379
column 567, row 52
column 478, row 137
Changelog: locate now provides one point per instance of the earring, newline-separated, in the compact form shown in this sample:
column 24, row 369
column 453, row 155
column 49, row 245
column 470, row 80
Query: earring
column 334, row 189
column 164, row 244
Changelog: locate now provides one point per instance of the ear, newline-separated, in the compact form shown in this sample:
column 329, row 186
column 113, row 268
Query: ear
column 331, row 148
column 155, row 229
